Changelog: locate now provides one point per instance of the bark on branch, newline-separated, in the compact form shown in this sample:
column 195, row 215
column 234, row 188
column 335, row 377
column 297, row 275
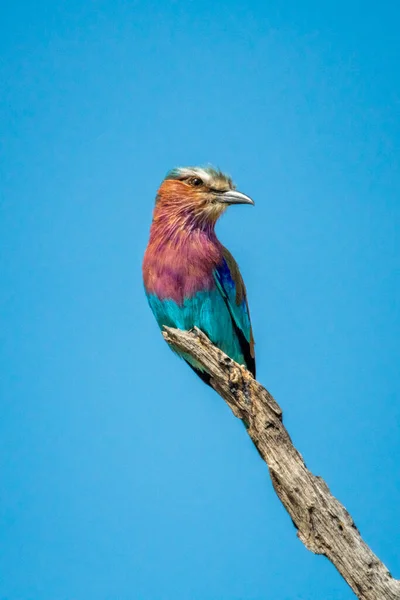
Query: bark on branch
column 324, row 525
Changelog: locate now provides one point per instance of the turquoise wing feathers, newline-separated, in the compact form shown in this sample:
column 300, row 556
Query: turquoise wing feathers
column 232, row 289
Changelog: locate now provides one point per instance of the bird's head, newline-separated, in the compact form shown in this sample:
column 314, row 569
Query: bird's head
column 196, row 196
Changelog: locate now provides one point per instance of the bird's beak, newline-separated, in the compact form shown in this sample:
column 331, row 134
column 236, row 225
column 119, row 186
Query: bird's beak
column 234, row 197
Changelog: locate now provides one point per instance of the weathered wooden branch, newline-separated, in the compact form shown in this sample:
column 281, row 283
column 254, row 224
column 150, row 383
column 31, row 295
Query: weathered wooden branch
column 324, row 525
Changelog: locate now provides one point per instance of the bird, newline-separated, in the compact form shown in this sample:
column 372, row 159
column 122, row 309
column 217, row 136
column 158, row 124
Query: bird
column 190, row 278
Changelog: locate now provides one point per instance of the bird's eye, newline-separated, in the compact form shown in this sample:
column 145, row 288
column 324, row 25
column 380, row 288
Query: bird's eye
column 196, row 181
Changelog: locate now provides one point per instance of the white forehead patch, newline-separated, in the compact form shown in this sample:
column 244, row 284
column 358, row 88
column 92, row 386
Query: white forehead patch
column 211, row 177
column 195, row 172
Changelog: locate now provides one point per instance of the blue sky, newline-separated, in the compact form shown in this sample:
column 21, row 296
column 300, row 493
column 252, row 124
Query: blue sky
column 123, row 477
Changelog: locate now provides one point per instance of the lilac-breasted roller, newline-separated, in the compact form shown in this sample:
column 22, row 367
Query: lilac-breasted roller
column 190, row 279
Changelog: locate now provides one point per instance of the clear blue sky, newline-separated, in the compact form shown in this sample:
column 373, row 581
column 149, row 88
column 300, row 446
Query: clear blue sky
column 123, row 477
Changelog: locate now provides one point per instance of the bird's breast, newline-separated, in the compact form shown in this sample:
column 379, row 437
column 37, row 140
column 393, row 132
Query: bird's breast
column 179, row 271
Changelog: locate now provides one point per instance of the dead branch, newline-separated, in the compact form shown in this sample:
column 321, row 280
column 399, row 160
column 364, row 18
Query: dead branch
column 324, row 525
